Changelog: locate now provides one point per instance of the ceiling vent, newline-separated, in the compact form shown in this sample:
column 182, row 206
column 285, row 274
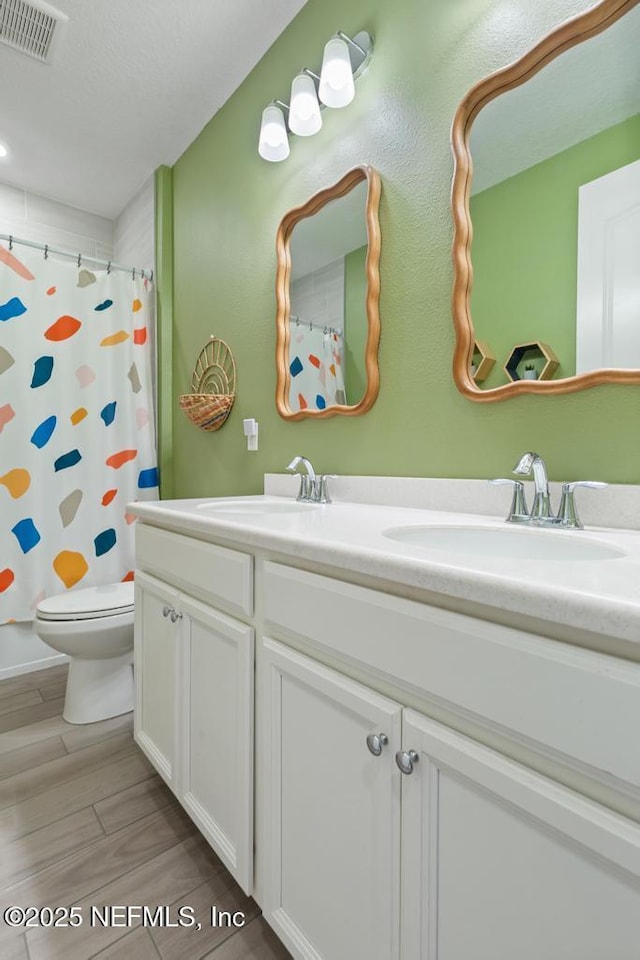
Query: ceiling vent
column 32, row 28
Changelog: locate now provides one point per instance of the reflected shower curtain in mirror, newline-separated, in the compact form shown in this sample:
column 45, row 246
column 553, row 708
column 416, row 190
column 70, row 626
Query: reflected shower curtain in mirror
column 77, row 432
column 316, row 368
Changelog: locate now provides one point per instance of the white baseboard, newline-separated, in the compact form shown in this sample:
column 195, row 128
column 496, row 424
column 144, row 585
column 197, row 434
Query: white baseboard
column 20, row 668
column 22, row 651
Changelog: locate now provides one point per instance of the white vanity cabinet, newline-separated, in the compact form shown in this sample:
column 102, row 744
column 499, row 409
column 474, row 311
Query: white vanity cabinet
column 428, row 785
column 194, row 669
column 497, row 860
column 216, row 723
column 156, row 669
column 332, row 888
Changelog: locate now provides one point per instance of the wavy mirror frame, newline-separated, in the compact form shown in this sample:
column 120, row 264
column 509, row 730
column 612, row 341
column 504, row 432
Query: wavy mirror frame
column 572, row 32
column 372, row 268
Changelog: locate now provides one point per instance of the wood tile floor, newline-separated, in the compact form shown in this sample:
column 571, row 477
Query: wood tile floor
column 85, row 821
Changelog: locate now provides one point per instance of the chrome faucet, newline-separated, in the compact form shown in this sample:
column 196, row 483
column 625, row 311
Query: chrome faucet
column 307, row 480
column 313, row 488
column 531, row 463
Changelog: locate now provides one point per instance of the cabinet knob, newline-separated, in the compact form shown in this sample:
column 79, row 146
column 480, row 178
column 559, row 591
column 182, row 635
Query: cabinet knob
column 174, row 615
column 406, row 759
column 166, row 611
column 375, row 743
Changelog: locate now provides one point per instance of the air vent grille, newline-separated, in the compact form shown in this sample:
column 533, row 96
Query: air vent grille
column 28, row 28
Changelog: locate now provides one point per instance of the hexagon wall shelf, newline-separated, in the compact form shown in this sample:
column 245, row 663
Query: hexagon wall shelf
column 482, row 359
column 527, row 352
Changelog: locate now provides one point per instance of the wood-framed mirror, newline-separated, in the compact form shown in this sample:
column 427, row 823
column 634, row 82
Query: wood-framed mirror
column 327, row 294
column 546, row 210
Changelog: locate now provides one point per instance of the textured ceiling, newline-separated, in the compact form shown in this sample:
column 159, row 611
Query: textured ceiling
column 129, row 87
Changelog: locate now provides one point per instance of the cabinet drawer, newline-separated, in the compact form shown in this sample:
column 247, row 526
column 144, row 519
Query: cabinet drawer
column 211, row 573
column 574, row 702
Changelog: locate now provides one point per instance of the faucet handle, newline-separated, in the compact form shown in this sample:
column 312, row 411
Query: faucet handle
column 518, row 511
column 593, row 484
column 322, row 489
column 567, row 513
column 304, row 491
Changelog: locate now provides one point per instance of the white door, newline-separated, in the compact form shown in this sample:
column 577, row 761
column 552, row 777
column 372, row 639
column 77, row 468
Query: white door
column 608, row 301
column 156, row 646
column 500, row 863
column 333, row 850
column 217, row 742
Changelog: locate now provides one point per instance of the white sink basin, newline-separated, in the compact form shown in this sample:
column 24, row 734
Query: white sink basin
column 254, row 508
column 512, row 543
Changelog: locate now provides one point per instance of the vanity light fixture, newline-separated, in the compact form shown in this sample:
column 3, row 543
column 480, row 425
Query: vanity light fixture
column 336, row 88
column 304, row 109
column 344, row 60
column 274, row 142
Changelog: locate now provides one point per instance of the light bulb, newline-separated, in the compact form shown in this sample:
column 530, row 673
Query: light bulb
column 274, row 143
column 3, row 150
column 304, row 110
column 336, row 88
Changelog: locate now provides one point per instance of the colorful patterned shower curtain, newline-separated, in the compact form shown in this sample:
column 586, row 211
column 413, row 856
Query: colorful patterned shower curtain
column 316, row 367
column 77, row 432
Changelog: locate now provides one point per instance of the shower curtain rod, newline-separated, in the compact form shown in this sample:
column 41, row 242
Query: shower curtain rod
column 308, row 323
column 80, row 257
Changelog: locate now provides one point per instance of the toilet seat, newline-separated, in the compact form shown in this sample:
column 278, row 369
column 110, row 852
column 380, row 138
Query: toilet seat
column 90, row 603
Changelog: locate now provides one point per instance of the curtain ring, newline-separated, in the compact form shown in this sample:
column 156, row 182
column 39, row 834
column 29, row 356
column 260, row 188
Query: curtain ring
column 79, row 260
column 10, row 243
column 46, row 251
column 109, row 267
column 133, row 274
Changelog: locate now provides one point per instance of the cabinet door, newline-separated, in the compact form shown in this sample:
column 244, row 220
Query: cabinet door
column 332, row 877
column 217, row 724
column 156, row 670
column 499, row 862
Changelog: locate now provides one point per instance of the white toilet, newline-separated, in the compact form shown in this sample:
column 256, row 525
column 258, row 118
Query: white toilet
column 94, row 627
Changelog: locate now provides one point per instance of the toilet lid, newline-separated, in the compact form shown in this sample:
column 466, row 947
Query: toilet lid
column 104, row 601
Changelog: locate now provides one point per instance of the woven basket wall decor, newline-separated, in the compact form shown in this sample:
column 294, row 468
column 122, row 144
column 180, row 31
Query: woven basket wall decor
column 213, row 386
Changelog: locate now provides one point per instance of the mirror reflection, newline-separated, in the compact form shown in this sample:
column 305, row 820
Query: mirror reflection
column 555, row 207
column 328, row 319
column 328, row 301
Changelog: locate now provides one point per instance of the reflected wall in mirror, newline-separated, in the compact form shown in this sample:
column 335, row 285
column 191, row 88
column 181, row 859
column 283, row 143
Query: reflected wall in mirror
column 327, row 290
column 553, row 206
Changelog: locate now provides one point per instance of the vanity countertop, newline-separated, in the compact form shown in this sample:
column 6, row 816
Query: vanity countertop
column 594, row 602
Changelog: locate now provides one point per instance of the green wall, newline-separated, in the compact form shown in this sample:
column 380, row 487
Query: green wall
column 355, row 317
column 535, row 269
column 227, row 207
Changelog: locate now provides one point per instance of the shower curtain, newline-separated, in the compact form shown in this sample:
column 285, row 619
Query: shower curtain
column 316, row 367
column 77, row 432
